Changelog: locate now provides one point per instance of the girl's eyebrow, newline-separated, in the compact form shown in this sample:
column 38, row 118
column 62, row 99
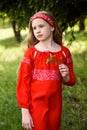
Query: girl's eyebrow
column 41, row 24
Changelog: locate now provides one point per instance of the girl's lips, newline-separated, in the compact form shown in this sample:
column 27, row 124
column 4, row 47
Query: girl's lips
column 39, row 35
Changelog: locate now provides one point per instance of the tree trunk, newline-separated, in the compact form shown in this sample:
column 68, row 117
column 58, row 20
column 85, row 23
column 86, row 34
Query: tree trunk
column 16, row 31
column 81, row 25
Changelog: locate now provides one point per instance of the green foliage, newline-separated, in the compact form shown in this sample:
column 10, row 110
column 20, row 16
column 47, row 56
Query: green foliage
column 74, row 116
column 67, row 12
column 5, row 22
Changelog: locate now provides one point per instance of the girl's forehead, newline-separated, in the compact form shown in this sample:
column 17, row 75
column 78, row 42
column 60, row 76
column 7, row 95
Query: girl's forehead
column 38, row 21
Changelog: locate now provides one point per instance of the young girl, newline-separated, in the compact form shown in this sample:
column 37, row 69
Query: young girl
column 45, row 66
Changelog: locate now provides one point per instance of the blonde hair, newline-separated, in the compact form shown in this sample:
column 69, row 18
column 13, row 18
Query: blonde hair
column 57, row 33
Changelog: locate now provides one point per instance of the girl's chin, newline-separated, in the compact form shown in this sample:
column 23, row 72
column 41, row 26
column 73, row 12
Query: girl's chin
column 42, row 39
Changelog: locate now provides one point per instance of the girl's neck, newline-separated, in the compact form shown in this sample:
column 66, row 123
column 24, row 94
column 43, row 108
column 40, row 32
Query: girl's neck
column 45, row 46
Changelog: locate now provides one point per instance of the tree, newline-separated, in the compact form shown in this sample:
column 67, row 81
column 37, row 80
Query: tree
column 67, row 12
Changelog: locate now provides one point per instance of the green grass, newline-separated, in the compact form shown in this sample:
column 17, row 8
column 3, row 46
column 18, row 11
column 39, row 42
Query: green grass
column 10, row 54
column 75, row 99
column 74, row 115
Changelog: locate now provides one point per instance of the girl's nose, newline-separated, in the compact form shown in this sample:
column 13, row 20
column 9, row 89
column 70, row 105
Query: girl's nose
column 37, row 30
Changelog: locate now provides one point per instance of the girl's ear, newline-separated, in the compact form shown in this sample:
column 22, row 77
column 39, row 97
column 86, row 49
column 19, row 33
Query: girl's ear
column 52, row 29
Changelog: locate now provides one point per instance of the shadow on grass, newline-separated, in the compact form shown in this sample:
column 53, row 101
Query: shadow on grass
column 11, row 42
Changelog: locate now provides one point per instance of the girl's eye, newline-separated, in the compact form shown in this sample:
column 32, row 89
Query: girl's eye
column 34, row 28
column 41, row 26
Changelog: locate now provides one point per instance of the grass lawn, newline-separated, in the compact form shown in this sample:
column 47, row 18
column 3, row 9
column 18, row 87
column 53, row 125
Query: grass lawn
column 74, row 115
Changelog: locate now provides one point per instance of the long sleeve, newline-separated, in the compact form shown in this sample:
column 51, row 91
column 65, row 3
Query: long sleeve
column 69, row 63
column 24, row 81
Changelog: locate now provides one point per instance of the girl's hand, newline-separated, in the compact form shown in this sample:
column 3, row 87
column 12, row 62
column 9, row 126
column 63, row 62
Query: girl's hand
column 64, row 71
column 27, row 122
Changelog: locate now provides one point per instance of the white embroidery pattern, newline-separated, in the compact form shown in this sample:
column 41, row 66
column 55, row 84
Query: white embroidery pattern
column 40, row 74
column 69, row 60
column 26, row 60
column 64, row 54
column 35, row 53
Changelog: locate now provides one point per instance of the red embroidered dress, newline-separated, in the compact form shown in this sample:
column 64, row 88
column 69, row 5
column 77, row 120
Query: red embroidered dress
column 39, row 86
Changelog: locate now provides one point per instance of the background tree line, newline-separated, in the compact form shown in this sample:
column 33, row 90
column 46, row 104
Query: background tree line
column 66, row 12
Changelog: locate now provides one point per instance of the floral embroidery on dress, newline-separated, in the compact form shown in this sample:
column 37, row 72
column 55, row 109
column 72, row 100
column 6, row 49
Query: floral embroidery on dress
column 40, row 74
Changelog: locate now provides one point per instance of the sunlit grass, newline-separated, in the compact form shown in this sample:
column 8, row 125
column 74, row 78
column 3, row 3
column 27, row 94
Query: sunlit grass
column 6, row 34
column 10, row 54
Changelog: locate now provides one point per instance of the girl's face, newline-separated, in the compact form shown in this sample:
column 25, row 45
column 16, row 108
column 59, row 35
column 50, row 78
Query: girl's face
column 41, row 29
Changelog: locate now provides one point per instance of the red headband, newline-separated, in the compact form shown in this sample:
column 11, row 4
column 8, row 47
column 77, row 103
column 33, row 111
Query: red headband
column 44, row 17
